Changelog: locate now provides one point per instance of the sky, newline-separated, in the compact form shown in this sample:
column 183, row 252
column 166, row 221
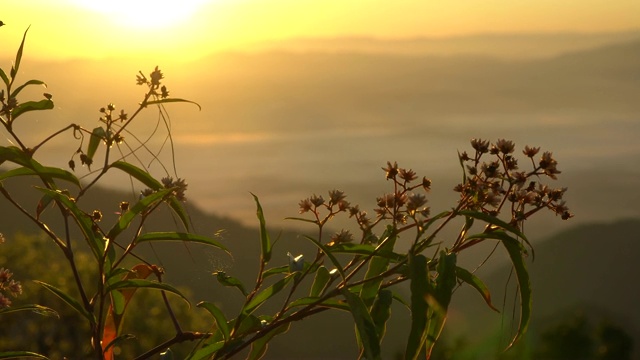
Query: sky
column 190, row 29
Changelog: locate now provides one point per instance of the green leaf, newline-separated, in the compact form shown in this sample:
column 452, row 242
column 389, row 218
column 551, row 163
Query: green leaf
column 47, row 172
column 259, row 347
column 146, row 178
column 378, row 265
column 230, row 281
column 98, row 134
column 144, row 204
column 364, row 249
column 514, row 248
column 320, row 281
column 264, row 235
column 381, row 311
column 30, row 82
column 20, row 354
column 495, row 221
column 267, row 293
column 420, row 288
column 315, row 300
column 218, row 315
column 476, row 283
column 84, row 221
column 137, row 173
column 142, row 283
column 177, row 208
column 16, row 64
column 439, row 303
column 69, row 300
column 364, row 325
column 4, row 77
column 170, row 100
column 45, row 104
column 207, row 351
column 498, row 235
column 39, row 309
column 326, row 251
column 179, row 236
column 284, row 269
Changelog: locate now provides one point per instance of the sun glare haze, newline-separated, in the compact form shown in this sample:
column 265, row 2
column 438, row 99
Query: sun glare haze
column 194, row 28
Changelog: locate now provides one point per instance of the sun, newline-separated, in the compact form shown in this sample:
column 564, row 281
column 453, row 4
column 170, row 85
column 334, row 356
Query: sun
column 145, row 14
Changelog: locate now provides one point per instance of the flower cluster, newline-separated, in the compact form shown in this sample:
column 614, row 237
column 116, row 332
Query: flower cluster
column 153, row 83
column 8, row 286
column 491, row 184
column 403, row 205
column 179, row 187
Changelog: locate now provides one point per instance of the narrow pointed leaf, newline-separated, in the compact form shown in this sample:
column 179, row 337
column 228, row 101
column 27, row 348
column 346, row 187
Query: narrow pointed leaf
column 230, row 281
column 179, row 236
column 381, row 311
column 207, row 351
column 16, row 64
column 20, row 355
column 51, row 172
column 218, row 315
column 265, row 242
column 139, row 174
column 495, row 221
column 171, row 100
column 322, row 278
column 146, row 284
column 327, row 252
column 364, row 325
column 259, row 347
column 146, row 178
column 364, row 249
column 144, row 204
column 524, row 286
column 45, row 104
column 4, row 77
column 284, row 269
column 39, row 309
column 499, row 235
column 329, row 303
column 95, row 241
column 439, row 301
column 68, row 299
column 267, row 293
column 15, row 92
column 420, row 288
column 469, row 278
column 378, row 265
column 97, row 135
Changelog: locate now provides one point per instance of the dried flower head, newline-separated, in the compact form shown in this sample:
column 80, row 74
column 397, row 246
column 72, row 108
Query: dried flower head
column 341, row 237
column 391, row 170
column 407, row 175
column 481, row 146
column 156, row 76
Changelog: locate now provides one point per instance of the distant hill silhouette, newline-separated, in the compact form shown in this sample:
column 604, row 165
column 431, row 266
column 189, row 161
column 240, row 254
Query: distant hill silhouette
column 590, row 268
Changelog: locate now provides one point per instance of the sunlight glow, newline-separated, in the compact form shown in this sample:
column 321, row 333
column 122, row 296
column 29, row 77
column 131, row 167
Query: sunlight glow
column 145, row 14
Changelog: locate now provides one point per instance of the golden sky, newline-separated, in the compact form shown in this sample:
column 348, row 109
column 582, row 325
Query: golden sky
column 187, row 29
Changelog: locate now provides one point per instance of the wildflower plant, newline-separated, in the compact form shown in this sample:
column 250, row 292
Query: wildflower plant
column 352, row 270
column 102, row 302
